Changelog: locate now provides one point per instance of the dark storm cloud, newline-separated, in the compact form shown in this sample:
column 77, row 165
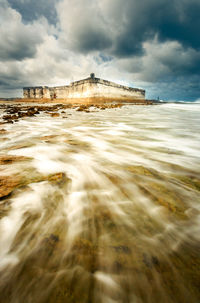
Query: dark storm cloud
column 83, row 27
column 176, row 20
column 11, row 80
column 120, row 28
column 182, row 23
column 187, row 63
column 91, row 40
column 18, row 41
column 185, row 89
column 23, row 46
column 34, row 9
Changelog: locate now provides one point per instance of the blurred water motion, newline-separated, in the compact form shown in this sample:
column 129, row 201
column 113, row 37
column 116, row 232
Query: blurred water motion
column 104, row 207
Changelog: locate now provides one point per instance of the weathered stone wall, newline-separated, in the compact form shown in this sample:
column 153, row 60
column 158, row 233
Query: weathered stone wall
column 26, row 93
column 46, row 92
column 39, row 92
column 36, row 92
column 32, row 93
column 93, row 88
column 117, row 92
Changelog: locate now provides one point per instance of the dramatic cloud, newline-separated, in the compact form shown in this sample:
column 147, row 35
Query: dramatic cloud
column 32, row 10
column 18, row 41
column 152, row 44
column 83, row 27
column 170, row 21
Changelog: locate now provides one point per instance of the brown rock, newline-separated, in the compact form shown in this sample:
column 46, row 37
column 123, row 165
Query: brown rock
column 55, row 114
column 2, row 131
column 7, row 117
column 8, row 184
column 19, row 146
column 48, row 138
column 83, row 108
column 31, row 113
column 7, row 159
column 56, row 177
column 22, row 114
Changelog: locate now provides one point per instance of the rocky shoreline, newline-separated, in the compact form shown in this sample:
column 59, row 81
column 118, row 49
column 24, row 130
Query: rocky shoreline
column 12, row 113
column 15, row 109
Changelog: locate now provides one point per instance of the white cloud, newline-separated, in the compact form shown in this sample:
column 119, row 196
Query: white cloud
column 95, row 36
column 18, row 41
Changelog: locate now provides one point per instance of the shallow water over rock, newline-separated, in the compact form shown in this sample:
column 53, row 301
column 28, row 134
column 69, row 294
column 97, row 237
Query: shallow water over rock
column 101, row 206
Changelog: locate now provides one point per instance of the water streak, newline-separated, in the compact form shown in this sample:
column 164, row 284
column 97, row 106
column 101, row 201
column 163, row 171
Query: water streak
column 106, row 208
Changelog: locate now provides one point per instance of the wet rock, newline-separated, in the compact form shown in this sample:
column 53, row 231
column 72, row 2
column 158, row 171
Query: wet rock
column 59, row 179
column 141, row 170
column 7, row 117
column 56, row 177
column 2, row 131
column 51, row 240
column 48, row 138
column 22, row 114
column 3, row 139
column 14, row 117
column 19, row 146
column 32, row 112
column 191, row 181
column 54, row 238
column 122, row 249
column 67, row 105
column 147, row 261
column 9, row 159
column 8, row 184
column 13, row 110
column 155, row 261
column 83, row 108
column 8, row 121
column 55, row 114
column 108, row 105
column 117, row 267
column 166, row 197
column 84, row 246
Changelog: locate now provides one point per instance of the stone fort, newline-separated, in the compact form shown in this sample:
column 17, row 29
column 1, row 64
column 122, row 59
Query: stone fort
column 91, row 89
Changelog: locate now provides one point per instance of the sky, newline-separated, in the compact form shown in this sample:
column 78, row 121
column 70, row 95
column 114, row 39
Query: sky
column 149, row 44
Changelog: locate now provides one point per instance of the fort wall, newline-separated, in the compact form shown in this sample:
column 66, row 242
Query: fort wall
column 90, row 88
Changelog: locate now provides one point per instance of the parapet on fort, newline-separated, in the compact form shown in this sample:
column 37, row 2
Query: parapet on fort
column 91, row 89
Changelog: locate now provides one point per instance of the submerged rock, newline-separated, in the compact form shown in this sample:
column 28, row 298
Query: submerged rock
column 83, row 108
column 9, row 159
column 3, row 131
column 8, row 184
column 55, row 114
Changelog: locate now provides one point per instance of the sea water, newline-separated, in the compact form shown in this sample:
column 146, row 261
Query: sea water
column 107, row 207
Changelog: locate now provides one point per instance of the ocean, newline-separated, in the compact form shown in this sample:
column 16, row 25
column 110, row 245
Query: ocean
column 101, row 206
